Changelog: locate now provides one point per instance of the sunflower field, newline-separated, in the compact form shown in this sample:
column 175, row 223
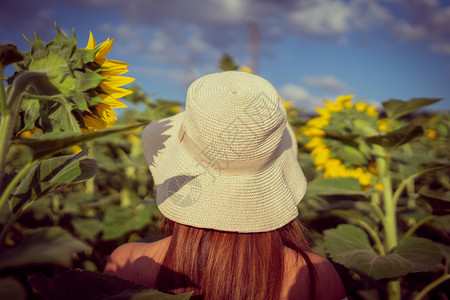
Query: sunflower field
column 74, row 183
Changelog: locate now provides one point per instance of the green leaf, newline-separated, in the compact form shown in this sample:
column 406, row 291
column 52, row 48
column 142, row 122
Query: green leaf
column 340, row 133
column 38, row 49
column 335, row 186
column 12, row 289
column 351, row 155
column 75, row 172
column 118, row 221
column 81, row 57
column 79, row 101
column 56, row 141
column 398, row 108
column 353, row 216
column 95, row 286
column 47, row 245
column 64, row 118
column 438, row 199
column 62, row 45
column 52, row 174
column 87, row 228
column 227, row 63
column 350, row 246
column 31, row 114
column 366, row 127
column 445, row 250
column 440, row 194
column 87, row 79
column 397, row 137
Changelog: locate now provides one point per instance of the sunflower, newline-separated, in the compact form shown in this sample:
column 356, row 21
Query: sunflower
column 336, row 140
column 110, row 88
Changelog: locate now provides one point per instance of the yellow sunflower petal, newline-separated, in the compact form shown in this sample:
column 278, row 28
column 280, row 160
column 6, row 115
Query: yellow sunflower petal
column 344, row 100
column 104, row 49
column 378, row 186
column 106, row 113
column 113, row 102
column 365, row 178
column 113, row 67
column 361, row 106
column 115, row 92
column 117, row 81
column 76, row 149
column 314, row 142
column 431, row 134
column 94, row 122
column 313, row 131
column 372, row 111
column 91, row 43
column 246, row 69
column 318, row 122
column 323, row 112
column 322, row 157
column 332, row 168
column 288, row 104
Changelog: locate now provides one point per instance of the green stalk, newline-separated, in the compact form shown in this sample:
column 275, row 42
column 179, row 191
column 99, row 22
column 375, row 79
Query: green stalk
column 4, row 138
column 11, row 221
column 2, row 93
column 404, row 183
column 410, row 187
column 373, row 234
column 418, row 224
column 390, row 214
column 4, row 124
column 10, row 105
column 394, row 291
column 431, row 286
column 390, row 210
column 125, row 193
column 5, row 229
column 375, row 203
column 90, row 183
column 5, row 195
column 13, row 183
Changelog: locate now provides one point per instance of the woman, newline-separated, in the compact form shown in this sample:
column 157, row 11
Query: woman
column 228, row 184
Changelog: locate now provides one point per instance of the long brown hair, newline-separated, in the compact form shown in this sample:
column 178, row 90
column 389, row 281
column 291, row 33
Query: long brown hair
column 229, row 265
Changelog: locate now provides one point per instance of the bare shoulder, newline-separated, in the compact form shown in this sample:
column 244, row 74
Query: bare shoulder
column 328, row 285
column 138, row 262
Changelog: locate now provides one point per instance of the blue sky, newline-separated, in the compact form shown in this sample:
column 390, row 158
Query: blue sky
column 309, row 49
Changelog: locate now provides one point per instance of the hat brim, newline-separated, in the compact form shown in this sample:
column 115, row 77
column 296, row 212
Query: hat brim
column 190, row 193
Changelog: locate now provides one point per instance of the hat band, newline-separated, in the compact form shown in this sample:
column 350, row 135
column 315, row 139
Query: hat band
column 230, row 167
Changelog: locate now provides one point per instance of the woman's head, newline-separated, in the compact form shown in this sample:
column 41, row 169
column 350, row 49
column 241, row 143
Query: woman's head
column 229, row 162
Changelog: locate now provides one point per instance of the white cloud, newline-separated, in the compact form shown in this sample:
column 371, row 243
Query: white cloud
column 300, row 96
column 441, row 48
column 411, row 32
column 370, row 14
column 326, row 83
column 182, row 77
column 323, row 18
column 176, row 45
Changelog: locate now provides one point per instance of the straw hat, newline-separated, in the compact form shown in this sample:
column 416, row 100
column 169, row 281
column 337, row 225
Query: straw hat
column 229, row 161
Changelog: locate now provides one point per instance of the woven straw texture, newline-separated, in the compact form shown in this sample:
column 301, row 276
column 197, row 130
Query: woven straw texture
column 232, row 117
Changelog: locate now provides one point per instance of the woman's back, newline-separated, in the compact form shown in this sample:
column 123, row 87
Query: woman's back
column 141, row 263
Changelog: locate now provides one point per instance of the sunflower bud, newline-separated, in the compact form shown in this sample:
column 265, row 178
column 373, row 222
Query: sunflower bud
column 9, row 54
